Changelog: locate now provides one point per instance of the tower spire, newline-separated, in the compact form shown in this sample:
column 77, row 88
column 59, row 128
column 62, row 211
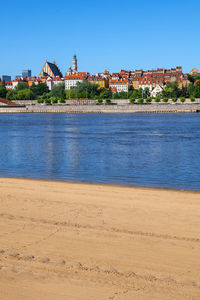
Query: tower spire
column 74, row 64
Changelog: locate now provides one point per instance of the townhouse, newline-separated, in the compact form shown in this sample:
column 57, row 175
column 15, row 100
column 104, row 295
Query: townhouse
column 72, row 80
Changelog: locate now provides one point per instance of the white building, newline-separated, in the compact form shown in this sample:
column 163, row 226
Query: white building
column 51, row 82
column 144, row 86
column 156, row 91
column 119, row 85
column 16, row 82
column 72, row 80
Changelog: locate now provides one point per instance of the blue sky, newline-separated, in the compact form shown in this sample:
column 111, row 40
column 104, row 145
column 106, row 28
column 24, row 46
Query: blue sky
column 104, row 34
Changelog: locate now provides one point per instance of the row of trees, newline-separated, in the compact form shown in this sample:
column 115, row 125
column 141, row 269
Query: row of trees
column 23, row 92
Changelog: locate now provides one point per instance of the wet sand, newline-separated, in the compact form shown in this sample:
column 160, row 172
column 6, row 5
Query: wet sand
column 63, row 241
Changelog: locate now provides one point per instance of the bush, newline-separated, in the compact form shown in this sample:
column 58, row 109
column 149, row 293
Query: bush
column 165, row 99
column 108, row 101
column 182, row 99
column 39, row 100
column 48, row 101
column 55, row 101
column 157, row 99
column 62, row 101
column 148, row 100
column 174, row 99
column 192, row 99
column 140, row 101
column 132, row 100
column 100, row 101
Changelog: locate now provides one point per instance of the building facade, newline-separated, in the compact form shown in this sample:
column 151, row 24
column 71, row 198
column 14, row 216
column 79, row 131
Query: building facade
column 6, row 78
column 26, row 73
column 72, row 80
column 50, row 70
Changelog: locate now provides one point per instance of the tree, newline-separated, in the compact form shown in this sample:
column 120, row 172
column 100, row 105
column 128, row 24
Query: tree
column 82, row 94
column 140, row 93
column 191, row 78
column 191, row 89
column 105, row 94
column 3, row 91
column 135, row 94
column 146, row 92
column 21, row 86
column 25, row 94
column 11, row 95
column 58, row 91
column 88, row 89
column 197, row 90
column 171, row 90
column 39, row 89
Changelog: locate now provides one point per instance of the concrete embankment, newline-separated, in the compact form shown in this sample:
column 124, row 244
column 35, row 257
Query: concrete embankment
column 130, row 108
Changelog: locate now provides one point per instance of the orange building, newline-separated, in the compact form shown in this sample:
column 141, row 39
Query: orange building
column 102, row 82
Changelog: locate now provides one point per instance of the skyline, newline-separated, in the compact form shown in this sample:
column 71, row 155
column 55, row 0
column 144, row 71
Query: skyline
column 112, row 36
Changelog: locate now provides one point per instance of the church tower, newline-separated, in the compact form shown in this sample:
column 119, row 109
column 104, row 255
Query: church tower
column 74, row 62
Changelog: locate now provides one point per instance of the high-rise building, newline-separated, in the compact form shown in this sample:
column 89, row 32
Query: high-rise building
column 6, row 78
column 74, row 64
column 26, row 73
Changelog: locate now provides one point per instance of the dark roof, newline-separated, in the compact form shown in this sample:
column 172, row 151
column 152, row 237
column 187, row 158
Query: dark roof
column 55, row 70
column 7, row 102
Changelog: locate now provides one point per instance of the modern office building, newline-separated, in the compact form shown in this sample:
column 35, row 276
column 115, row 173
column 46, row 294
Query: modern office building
column 26, row 73
column 6, row 78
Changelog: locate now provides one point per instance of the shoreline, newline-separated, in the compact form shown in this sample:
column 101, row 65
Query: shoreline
column 63, row 240
column 102, row 184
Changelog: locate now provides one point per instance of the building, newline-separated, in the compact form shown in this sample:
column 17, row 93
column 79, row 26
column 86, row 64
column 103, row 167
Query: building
column 156, row 91
column 119, row 85
column 26, row 73
column 74, row 64
column 9, row 85
column 51, row 82
column 72, row 80
column 6, row 78
column 195, row 72
column 74, row 68
column 18, row 81
column 100, row 81
column 50, row 70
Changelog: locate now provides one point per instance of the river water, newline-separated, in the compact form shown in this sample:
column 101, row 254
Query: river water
column 154, row 150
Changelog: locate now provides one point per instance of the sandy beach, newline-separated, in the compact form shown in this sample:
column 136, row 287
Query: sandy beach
column 63, row 241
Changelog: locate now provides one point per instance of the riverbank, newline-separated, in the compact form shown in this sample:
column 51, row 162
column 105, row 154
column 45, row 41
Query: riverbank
column 64, row 240
column 127, row 108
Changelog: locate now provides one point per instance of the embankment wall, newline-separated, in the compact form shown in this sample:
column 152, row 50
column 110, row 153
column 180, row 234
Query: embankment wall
column 129, row 108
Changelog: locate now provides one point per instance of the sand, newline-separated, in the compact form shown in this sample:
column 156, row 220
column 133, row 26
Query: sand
column 80, row 241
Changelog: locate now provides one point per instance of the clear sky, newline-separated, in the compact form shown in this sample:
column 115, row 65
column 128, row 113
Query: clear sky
column 104, row 34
